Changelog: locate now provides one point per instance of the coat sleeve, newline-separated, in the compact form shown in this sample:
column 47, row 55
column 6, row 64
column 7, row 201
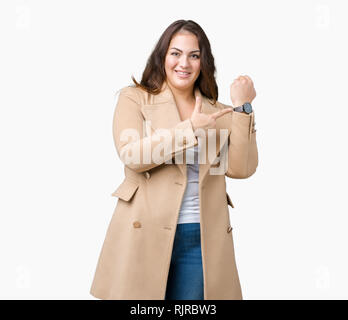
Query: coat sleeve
column 242, row 147
column 141, row 152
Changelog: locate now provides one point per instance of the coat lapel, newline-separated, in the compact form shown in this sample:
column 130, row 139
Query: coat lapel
column 161, row 111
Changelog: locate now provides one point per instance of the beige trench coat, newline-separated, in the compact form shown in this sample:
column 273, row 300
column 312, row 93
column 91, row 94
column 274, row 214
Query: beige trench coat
column 135, row 257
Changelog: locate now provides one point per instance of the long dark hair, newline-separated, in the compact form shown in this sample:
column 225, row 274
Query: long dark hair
column 154, row 74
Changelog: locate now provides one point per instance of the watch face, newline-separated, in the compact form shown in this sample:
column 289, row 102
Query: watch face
column 247, row 107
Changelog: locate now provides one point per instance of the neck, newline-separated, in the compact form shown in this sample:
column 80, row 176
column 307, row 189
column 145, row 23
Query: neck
column 183, row 95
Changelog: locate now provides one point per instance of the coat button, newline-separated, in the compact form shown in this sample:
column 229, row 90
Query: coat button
column 136, row 224
column 185, row 141
column 147, row 175
column 229, row 229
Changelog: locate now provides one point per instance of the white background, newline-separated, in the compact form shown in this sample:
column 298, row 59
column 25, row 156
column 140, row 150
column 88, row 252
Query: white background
column 61, row 65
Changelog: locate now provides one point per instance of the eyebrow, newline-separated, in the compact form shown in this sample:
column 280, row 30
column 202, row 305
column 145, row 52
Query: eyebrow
column 181, row 50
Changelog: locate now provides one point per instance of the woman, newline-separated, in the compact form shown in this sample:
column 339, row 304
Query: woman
column 170, row 234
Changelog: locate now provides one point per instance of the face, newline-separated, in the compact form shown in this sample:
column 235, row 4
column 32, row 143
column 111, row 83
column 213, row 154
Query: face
column 183, row 55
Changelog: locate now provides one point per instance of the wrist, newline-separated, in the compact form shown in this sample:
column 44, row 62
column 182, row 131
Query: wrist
column 239, row 103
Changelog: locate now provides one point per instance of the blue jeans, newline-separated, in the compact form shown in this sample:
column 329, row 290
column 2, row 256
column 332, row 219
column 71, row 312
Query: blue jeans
column 185, row 278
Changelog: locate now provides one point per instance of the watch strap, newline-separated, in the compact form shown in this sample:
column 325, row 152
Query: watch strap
column 238, row 109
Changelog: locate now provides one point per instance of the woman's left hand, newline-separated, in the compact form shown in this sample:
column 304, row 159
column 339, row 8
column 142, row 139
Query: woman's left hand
column 242, row 90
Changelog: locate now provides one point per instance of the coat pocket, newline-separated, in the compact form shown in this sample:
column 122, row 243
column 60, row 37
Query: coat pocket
column 229, row 201
column 126, row 190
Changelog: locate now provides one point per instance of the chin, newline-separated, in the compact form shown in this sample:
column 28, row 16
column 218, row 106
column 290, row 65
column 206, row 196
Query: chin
column 183, row 84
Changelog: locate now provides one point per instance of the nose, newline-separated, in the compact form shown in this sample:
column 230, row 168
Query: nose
column 184, row 62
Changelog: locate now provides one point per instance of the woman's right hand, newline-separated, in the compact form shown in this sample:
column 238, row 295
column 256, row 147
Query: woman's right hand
column 202, row 120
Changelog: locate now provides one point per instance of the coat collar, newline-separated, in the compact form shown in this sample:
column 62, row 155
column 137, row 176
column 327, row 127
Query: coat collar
column 162, row 112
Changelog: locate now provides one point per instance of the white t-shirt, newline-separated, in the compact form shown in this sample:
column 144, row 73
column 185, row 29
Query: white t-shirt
column 189, row 211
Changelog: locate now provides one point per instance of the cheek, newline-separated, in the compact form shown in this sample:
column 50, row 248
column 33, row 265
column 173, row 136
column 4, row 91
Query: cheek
column 170, row 62
column 197, row 66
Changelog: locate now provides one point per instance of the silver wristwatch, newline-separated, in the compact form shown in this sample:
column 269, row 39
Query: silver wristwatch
column 246, row 107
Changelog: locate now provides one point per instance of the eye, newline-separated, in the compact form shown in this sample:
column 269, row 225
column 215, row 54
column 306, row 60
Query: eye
column 194, row 55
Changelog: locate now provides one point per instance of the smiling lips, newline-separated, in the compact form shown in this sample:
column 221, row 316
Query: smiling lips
column 182, row 74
